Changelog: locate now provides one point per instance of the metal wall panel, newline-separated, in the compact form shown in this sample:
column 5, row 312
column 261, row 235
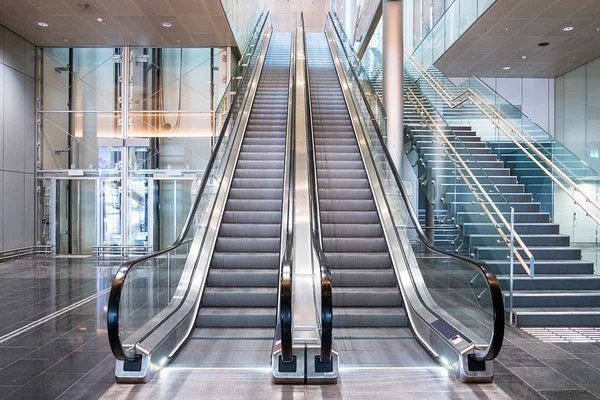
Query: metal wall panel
column 13, row 194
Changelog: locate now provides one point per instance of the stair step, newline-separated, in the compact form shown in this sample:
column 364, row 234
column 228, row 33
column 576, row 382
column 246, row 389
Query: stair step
column 369, row 317
column 548, row 240
column 481, row 216
column 366, row 297
column 240, row 317
column 250, row 230
column 239, row 297
column 557, row 316
column 562, row 282
column 359, row 260
column 354, row 245
column 363, row 278
column 247, row 245
column 246, row 260
column 555, row 298
column 521, row 228
column 539, row 253
column 557, row 267
column 243, row 277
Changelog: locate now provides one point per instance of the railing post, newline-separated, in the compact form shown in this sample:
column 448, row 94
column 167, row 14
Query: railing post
column 512, row 265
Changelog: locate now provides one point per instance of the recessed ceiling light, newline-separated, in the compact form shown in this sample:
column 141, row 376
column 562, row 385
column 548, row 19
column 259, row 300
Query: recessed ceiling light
column 523, row 57
column 43, row 24
column 543, row 44
column 506, row 68
column 568, row 28
column 167, row 24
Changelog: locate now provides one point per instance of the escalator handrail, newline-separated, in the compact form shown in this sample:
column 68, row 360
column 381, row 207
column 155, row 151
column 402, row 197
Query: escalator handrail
column 315, row 223
column 112, row 316
column 285, row 279
column 497, row 336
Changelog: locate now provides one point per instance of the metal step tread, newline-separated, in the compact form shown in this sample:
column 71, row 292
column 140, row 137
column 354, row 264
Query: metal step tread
column 232, row 333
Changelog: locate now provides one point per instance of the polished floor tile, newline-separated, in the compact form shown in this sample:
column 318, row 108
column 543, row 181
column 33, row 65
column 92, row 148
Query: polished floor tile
column 68, row 356
column 49, row 358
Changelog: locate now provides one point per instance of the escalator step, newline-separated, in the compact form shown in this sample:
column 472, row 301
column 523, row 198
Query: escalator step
column 240, row 317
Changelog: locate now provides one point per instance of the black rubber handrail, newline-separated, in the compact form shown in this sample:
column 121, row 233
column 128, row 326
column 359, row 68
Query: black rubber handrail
column 285, row 281
column 315, row 225
column 497, row 336
column 114, row 299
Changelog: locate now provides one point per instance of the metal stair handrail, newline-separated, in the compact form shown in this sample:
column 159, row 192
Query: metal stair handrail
column 452, row 101
column 528, row 268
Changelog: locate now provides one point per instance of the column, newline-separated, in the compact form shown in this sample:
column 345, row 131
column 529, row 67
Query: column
column 393, row 63
column 349, row 18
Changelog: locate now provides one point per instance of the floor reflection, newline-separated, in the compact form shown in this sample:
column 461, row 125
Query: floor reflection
column 53, row 340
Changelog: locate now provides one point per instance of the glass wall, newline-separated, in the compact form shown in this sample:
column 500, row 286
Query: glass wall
column 437, row 24
column 125, row 135
column 242, row 17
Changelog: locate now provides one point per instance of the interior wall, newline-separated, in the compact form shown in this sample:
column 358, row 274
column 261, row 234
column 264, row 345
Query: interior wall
column 577, row 97
column 282, row 14
column 533, row 96
column 17, row 141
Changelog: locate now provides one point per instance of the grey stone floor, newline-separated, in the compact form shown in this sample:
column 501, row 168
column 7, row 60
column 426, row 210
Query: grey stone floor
column 68, row 356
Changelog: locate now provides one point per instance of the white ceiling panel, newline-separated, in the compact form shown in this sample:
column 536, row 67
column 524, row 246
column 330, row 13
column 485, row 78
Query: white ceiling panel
column 512, row 29
column 125, row 22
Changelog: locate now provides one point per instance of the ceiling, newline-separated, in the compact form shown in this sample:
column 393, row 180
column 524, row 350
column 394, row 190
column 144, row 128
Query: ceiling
column 125, row 22
column 512, row 29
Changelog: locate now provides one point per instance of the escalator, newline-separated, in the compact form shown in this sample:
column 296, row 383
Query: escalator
column 397, row 300
column 217, row 296
column 365, row 292
column 211, row 298
column 241, row 290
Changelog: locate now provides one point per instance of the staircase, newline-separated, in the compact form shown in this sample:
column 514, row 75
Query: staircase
column 241, row 290
column 565, row 291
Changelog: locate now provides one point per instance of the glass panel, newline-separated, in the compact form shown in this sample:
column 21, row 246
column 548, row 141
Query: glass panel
column 175, row 198
column 110, row 213
column 450, row 290
column 457, row 19
column 242, row 17
column 83, row 79
column 150, row 287
column 139, row 213
column 75, row 216
column 74, row 140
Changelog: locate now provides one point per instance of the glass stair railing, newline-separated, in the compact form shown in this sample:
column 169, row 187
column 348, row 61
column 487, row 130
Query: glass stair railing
column 556, row 214
column 555, row 176
column 457, row 174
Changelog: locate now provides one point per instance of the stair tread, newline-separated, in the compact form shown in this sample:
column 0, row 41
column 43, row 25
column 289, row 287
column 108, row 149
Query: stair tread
column 557, row 310
column 552, row 277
